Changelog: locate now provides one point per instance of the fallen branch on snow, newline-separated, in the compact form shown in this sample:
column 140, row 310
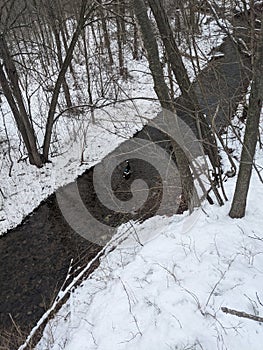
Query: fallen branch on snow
column 242, row 314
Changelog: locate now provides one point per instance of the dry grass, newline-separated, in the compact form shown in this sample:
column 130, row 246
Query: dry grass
column 12, row 338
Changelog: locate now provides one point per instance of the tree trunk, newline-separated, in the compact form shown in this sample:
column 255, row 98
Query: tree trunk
column 119, row 40
column 61, row 76
column 135, row 52
column 181, row 75
column 162, row 92
column 10, row 85
column 105, row 33
column 55, row 20
column 89, row 87
column 251, row 134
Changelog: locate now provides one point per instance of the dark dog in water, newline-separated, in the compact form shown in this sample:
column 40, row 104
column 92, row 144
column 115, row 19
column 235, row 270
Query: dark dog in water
column 127, row 171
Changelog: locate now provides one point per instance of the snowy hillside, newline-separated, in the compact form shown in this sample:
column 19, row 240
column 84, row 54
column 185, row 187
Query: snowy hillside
column 179, row 282
column 78, row 139
column 78, row 143
column 164, row 286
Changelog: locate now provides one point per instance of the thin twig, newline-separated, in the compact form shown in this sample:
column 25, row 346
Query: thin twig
column 15, row 325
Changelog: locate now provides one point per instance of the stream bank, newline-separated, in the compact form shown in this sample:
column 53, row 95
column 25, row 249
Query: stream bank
column 35, row 256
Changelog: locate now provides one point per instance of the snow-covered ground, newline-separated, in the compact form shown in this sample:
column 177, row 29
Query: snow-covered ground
column 75, row 138
column 164, row 286
column 165, row 283
column 168, row 280
column 28, row 186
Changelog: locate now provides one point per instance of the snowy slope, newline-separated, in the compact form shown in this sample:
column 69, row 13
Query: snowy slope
column 165, row 283
column 75, row 136
column 166, row 292
column 28, row 186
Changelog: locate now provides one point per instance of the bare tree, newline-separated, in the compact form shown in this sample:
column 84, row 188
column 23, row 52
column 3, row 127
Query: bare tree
column 103, row 17
column 85, row 12
column 182, row 78
column 55, row 22
column 11, row 88
column 162, row 92
column 251, row 134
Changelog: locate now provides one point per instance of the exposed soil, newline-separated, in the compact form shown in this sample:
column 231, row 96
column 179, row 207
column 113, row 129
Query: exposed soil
column 35, row 256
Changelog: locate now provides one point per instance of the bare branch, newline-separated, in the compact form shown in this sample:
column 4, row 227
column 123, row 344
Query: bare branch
column 242, row 314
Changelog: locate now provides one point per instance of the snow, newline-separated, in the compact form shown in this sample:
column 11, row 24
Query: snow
column 166, row 291
column 28, row 186
column 75, row 136
column 164, row 284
